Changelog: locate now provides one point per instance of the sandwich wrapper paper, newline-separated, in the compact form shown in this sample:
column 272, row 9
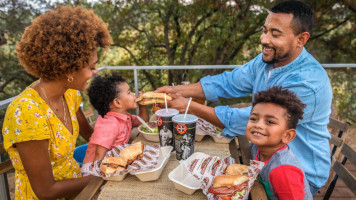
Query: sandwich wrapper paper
column 209, row 128
column 148, row 161
column 206, row 169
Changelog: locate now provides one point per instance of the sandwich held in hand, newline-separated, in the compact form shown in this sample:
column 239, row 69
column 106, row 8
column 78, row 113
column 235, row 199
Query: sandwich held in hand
column 112, row 164
column 132, row 152
column 152, row 98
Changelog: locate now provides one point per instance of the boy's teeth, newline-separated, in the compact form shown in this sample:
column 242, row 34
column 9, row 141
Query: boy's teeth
column 257, row 133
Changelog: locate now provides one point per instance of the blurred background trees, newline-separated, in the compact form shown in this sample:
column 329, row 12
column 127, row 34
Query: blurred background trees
column 189, row 32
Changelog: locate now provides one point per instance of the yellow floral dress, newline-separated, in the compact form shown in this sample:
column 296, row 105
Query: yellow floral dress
column 28, row 117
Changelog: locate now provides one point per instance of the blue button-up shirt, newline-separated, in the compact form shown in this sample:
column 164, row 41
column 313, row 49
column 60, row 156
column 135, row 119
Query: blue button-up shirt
column 304, row 76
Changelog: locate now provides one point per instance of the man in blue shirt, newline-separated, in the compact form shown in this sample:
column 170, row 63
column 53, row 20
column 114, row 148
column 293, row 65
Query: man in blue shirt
column 283, row 62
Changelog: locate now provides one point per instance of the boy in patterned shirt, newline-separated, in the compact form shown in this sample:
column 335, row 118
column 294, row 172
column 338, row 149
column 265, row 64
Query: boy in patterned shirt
column 271, row 126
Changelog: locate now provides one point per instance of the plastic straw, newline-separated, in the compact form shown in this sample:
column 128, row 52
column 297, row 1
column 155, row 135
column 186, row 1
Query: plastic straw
column 144, row 123
column 186, row 110
column 165, row 101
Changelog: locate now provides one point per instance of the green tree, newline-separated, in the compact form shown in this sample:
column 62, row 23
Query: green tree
column 197, row 32
column 15, row 17
column 176, row 33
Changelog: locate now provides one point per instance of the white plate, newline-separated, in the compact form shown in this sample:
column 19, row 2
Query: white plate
column 154, row 174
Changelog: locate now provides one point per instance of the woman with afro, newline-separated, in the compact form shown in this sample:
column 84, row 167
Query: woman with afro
column 42, row 123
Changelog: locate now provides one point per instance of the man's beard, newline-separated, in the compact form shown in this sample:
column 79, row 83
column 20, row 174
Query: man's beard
column 275, row 59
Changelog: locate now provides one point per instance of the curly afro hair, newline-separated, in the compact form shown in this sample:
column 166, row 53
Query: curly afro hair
column 61, row 41
column 103, row 90
column 285, row 98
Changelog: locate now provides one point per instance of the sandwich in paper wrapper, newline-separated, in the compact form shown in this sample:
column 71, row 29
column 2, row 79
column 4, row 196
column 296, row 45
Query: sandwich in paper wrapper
column 208, row 128
column 206, row 169
column 147, row 161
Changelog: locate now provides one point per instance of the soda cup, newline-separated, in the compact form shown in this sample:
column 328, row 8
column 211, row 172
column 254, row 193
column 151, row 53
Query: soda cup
column 165, row 126
column 184, row 135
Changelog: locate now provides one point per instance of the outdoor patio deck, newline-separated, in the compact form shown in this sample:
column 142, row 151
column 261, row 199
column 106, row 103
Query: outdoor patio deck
column 341, row 191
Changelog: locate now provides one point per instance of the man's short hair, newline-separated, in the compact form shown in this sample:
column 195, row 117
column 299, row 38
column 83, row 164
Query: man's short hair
column 284, row 98
column 303, row 17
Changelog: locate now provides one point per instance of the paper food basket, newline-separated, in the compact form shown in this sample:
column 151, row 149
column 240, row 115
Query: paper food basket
column 148, row 161
column 199, row 170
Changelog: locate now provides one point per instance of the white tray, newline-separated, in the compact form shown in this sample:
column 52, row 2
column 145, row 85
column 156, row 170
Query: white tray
column 154, row 174
column 199, row 134
column 222, row 139
column 115, row 177
column 199, row 137
column 182, row 178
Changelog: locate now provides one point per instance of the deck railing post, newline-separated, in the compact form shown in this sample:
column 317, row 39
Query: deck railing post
column 136, row 86
column 4, row 186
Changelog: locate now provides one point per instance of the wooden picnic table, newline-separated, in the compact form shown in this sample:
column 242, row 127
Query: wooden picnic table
column 163, row 188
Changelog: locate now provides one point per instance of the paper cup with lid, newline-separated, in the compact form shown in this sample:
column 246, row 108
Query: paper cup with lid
column 184, row 135
column 165, row 126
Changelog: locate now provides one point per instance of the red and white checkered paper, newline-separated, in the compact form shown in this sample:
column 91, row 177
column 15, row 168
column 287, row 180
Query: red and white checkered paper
column 206, row 169
column 148, row 161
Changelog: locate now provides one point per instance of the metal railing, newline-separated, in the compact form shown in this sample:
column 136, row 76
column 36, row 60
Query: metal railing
column 6, row 102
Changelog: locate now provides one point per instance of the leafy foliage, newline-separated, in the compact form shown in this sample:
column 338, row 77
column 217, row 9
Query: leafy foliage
column 196, row 32
column 344, row 84
column 15, row 16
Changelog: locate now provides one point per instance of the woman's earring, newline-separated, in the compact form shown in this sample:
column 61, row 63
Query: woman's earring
column 70, row 79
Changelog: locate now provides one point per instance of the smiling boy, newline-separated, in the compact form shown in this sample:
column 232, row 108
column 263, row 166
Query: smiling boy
column 271, row 126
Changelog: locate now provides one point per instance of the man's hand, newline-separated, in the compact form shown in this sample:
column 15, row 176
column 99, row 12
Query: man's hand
column 167, row 89
column 194, row 90
column 178, row 102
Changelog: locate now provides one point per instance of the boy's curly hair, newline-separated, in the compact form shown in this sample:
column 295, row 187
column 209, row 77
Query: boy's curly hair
column 61, row 41
column 103, row 90
column 285, row 98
